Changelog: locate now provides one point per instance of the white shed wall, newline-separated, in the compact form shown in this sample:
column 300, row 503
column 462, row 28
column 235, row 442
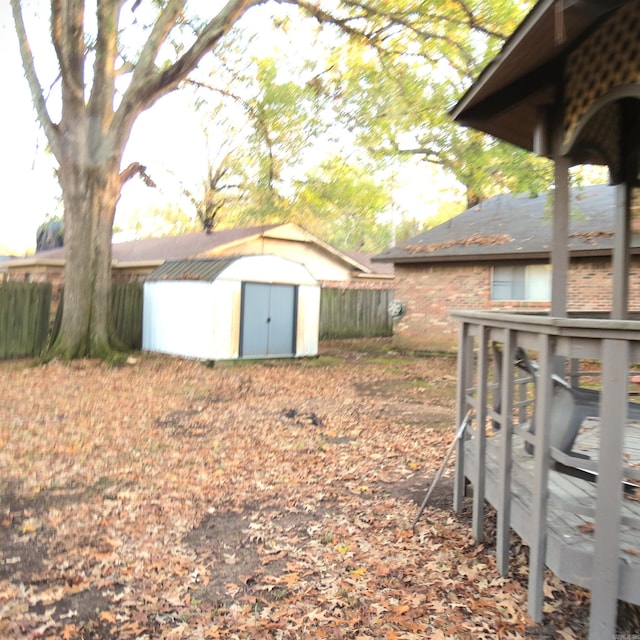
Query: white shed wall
column 308, row 328
column 202, row 319
column 226, row 328
column 178, row 318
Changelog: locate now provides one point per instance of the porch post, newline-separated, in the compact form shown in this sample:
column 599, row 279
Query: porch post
column 560, row 227
column 621, row 253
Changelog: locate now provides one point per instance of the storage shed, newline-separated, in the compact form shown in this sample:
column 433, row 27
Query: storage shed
column 234, row 307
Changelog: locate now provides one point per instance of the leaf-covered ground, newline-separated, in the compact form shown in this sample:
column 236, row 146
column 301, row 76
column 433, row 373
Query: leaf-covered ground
column 168, row 499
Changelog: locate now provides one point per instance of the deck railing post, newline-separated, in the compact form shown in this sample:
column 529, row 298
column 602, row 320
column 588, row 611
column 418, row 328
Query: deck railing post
column 465, row 361
column 613, row 418
column 538, row 545
column 479, row 452
column 504, row 480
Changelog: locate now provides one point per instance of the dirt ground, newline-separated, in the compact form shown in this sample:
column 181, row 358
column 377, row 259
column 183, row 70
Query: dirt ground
column 170, row 499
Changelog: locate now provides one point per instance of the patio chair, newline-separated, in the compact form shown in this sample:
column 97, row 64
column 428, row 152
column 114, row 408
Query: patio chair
column 569, row 408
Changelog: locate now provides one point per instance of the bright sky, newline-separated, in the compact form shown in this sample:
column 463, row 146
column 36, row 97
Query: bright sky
column 168, row 139
column 165, row 139
column 25, row 175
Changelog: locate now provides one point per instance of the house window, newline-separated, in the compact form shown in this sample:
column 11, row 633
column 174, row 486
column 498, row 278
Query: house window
column 521, row 282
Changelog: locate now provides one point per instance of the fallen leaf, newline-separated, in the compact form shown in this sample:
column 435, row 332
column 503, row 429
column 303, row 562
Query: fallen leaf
column 587, row 527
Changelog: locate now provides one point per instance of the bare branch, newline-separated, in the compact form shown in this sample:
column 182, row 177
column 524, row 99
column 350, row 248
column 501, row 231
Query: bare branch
column 67, row 36
column 101, row 99
column 135, row 168
column 148, row 84
column 37, row 95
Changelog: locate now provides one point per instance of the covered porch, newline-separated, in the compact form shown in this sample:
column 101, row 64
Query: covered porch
column 554, row 450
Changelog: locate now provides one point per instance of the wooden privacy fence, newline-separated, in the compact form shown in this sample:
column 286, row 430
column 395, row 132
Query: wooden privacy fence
column 24, row 318
column 126, row 314
column 25, row 311
column 355, row 313
column 25, row 308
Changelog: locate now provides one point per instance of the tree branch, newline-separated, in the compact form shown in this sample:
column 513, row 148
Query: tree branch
column 104, row 74
column 67, row 36
column 147, row 84
column 50, row 128
column 135, row 168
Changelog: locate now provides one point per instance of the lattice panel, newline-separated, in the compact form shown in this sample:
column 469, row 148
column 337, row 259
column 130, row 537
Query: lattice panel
column 608, row 58
column 603, row 134
column 635, row 209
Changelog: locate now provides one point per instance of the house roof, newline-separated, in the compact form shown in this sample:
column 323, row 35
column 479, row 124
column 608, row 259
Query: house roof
column 154, row 251
column 509, row 227
column 505, row 100
column 188, row 245
column 378, row 268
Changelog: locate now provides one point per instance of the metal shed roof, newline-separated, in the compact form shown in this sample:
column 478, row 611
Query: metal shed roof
column 204, row 270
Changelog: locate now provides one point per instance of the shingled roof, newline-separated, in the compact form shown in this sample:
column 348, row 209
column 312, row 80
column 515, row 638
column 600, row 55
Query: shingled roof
column 188, row 245
column 154, row 251
column 507, row 227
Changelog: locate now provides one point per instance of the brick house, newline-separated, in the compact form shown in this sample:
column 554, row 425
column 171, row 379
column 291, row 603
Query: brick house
column 496, row 257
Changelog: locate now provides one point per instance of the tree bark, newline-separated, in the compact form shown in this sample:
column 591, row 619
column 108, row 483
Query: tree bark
column 90, row 193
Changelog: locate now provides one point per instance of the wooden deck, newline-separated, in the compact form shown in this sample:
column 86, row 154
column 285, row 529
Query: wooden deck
column 571, row 508
column 587, row 532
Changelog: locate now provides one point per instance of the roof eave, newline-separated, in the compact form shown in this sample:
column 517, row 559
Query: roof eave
column 34, row 262
column 489, row 72
column 596, row 252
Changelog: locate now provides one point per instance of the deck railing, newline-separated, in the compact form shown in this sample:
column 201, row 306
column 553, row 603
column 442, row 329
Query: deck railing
column 506, row 404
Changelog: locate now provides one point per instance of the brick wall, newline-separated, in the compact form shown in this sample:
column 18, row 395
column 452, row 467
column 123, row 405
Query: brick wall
column 591, row 285
column 432, row 292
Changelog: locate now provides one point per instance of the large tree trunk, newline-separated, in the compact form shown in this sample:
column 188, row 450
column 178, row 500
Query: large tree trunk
column 90, row 193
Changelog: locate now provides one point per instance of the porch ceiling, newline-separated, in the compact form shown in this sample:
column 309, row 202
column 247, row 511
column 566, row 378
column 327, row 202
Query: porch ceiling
column 527, row 74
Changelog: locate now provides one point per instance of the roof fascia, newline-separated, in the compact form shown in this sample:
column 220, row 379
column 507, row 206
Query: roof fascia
column 516, row 38
column 510, row 95
column 501, row 257
column 134, row 264
column 33, row 262
column 374, row 276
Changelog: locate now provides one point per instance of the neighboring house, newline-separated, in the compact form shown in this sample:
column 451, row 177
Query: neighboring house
column 3, row 267
column 135, row 259
column 496, row 257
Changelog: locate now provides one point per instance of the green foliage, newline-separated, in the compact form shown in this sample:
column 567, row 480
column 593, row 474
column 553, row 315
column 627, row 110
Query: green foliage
column 298, row 133
column 342, row 203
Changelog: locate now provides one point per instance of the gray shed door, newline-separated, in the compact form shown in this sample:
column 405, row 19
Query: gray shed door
column 268, row 320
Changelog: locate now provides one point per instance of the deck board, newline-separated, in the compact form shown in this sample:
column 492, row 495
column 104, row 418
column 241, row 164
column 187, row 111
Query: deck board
column 571, row 506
